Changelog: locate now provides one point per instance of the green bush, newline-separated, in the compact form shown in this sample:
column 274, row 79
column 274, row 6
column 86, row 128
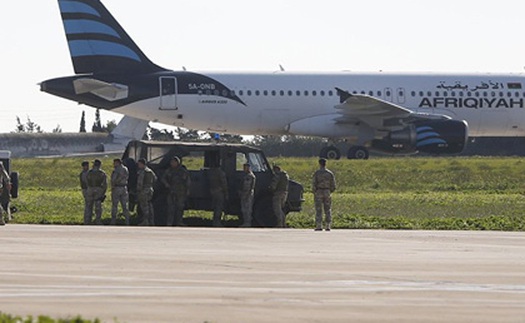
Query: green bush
column 6, row 318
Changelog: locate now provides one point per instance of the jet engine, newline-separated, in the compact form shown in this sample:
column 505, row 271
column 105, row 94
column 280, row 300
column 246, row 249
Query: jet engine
column 430, row 136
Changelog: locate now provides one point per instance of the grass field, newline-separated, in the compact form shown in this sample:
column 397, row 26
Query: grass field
column 383, row 193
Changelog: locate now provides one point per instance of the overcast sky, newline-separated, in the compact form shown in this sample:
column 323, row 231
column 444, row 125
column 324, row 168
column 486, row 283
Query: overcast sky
column 242, row 35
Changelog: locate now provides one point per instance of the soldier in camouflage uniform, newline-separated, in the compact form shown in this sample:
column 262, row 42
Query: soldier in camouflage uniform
column 84, row 186
column 279, row 187
column 5, row 184
column 219, row 193
column 246, row 193
column 145, row 180
column 177, row 180
column 96, row 192
column 119, row 190
column 323, row 186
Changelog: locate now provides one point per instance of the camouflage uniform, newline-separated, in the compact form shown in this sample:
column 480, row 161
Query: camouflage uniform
column 96, row 192
column 84, row 186
column 5, row 184
column 219, row 193
column 323, row 185
column 119, row 192
column 145, row 180
column 178, row 181
column 279, row 187
column 247, row 193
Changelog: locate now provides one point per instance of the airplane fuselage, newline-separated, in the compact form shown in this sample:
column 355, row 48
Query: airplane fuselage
column 393, row 113
column 493, row 105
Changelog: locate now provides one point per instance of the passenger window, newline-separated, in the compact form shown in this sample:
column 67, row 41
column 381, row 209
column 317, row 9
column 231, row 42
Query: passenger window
column 305, row 93
column 281, row 93
column 257, row 93
column 241, row 92
column 379, row 93
column 274, row 93
column 314, row 93
column 298, row 93
column 265, row 93
column 413, row 93
column 249, row 92
column 371, row 93
column 224, row 92
column 445, row 94
column 322, row 93
column 331, row 93
column 216, row 92
column 421, row 94
column 290, row 93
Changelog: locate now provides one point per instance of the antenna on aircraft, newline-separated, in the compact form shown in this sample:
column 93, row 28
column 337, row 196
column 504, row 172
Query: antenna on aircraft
column 184, row 68
column 281, row 68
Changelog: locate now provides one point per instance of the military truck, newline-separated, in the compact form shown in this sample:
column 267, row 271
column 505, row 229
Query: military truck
column 6, row 195
column 197, row 158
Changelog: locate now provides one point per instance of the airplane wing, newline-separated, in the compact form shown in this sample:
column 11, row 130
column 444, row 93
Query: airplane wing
column 379, row 114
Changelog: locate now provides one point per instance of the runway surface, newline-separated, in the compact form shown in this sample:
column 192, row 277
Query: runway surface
column 201, row 275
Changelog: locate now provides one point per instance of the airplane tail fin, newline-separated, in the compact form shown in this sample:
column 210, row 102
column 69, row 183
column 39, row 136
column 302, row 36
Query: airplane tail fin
column 97, row 42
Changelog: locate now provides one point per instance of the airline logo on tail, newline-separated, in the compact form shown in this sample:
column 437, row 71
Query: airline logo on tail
column 97, row 43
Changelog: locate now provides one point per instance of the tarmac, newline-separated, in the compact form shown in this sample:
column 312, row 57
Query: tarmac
column 159, row 274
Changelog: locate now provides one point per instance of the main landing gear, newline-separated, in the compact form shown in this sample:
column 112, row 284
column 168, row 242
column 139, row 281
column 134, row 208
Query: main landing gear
column 355, row 152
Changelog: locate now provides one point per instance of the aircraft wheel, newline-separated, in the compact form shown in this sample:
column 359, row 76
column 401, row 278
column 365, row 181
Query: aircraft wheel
column 330, row 152
column 358, row 152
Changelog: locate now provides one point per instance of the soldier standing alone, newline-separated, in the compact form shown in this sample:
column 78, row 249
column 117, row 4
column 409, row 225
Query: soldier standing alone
column 177, row 180
column 96, row 192
column 219, row 193
column 247, row 193
column 119, row 190
column 84, row 186
column 5, row 184
column 323, row 186
column 145, row 180
column 279, row 187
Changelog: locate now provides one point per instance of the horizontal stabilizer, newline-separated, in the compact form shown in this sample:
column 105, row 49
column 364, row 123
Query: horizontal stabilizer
column 108, row 91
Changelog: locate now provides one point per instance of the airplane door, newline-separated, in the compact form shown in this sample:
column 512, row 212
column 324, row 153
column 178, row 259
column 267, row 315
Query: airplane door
column 388, row 94
column 168, row 93
column 401, row 95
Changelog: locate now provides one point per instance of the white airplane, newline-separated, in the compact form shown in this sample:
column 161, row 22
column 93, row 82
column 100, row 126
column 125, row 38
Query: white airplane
column 392, row 113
